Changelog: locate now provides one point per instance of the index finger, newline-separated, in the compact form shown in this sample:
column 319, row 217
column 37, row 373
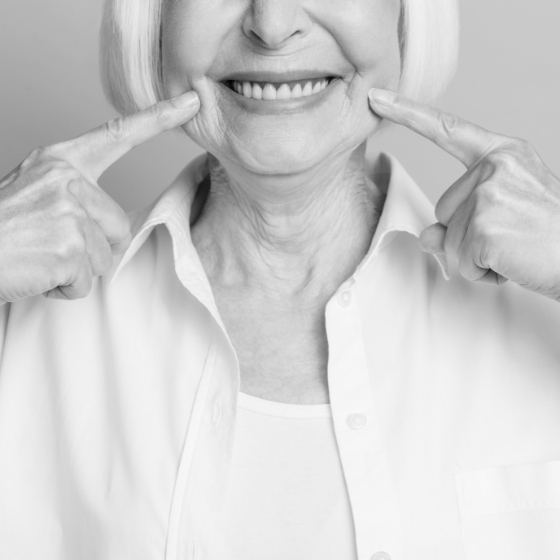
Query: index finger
column 95, row 151
column 462, row 139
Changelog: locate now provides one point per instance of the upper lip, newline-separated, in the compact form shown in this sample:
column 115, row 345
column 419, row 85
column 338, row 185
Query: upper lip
column 279, row 77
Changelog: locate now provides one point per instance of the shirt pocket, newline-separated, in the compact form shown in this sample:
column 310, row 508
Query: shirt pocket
column 511, row 512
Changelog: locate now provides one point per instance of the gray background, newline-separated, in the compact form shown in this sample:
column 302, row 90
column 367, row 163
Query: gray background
column 508, row 81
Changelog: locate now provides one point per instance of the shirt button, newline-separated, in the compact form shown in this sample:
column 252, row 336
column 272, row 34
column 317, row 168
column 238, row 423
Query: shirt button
column 357, row 421
column 345, row 298
column 380, row 556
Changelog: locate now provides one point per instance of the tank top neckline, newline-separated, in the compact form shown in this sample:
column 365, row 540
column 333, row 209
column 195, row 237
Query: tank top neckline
column 282, row 410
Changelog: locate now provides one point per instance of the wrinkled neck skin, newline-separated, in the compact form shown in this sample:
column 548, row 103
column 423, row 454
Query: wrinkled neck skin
column 287, row 236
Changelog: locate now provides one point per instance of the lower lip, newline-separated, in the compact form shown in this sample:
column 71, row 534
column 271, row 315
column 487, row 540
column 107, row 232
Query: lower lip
column 278, row 106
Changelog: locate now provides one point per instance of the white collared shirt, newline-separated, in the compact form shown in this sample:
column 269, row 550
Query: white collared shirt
column 118, row 411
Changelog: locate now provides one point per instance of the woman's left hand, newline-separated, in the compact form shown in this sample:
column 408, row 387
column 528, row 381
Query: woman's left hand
column 501, row 219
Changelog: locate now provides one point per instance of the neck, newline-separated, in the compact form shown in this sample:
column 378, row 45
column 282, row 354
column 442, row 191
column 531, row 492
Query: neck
column 289, row 234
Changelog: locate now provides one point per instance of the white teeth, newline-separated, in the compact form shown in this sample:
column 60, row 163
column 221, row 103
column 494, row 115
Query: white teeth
column 297, row 92
column 284, row 92
column 270, row 93
column 257, row 91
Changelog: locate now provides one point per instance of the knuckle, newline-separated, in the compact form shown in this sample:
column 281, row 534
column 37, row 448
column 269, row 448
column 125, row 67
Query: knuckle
column 58, row 173
column 503, row 160
column 48, row 167
column 37, row 157
column 162, row 112
column 67, row 207
column 487, row 167
column 482, row 229
column 116, row 129
column 71, row 249
column 39, row 153
column 448, row 123
column 486, row 195
column 522, row 144
column 526, row 150
column 73, row 185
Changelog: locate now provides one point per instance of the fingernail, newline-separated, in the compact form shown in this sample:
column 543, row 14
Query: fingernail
column 185, row 100
column 381, row 96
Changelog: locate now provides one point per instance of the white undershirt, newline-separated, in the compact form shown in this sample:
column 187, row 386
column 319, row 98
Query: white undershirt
column 286, row 497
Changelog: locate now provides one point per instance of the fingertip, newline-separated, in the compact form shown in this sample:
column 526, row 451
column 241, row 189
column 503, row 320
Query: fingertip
column 381, row 98
column 423, row 243
column 432, row 239
column 425, row 248
column 187, row 100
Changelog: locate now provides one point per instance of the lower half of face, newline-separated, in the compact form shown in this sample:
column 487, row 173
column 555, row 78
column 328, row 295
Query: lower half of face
column 283, row 83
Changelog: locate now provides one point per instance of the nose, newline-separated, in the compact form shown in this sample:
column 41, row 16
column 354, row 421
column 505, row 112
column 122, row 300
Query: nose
column 273, row 23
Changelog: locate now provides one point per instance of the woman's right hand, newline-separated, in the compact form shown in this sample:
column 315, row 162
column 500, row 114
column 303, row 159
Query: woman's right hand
column 58, row 228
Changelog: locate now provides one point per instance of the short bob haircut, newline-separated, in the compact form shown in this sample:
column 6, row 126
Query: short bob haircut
column 131, row 68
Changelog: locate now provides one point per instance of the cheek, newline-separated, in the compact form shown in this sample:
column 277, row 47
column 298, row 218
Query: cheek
column 367, row 33
column 193, row 33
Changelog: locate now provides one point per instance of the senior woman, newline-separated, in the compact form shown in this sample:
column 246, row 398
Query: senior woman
column 273, row 368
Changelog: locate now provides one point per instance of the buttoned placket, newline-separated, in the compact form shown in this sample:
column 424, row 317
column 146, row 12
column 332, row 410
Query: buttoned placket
column 359, row 434
column 206, row 458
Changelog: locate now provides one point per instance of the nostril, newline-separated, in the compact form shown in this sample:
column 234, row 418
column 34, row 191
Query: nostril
column 257, row 38
column 272, row 38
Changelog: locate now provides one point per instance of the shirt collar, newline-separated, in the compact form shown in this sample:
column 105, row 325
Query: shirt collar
column 406, row 209
column 172, row 208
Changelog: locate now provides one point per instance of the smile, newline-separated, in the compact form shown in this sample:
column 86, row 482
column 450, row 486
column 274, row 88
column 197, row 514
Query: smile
column 271, row 91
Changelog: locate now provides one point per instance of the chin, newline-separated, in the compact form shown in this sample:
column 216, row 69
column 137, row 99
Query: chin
column 278, row 156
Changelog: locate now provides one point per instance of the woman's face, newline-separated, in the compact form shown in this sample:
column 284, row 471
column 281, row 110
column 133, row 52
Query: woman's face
column 274, row 48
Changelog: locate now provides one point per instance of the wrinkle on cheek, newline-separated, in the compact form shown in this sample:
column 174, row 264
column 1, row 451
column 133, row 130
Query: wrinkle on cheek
column 208, row 130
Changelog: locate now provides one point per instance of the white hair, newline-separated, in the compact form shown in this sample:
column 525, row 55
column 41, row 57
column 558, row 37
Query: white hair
column 131, row 50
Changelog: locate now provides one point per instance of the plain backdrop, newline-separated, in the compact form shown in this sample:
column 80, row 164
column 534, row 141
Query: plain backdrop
column 508, row 81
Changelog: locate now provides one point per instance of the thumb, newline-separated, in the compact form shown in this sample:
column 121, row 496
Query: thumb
column 432, row 239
